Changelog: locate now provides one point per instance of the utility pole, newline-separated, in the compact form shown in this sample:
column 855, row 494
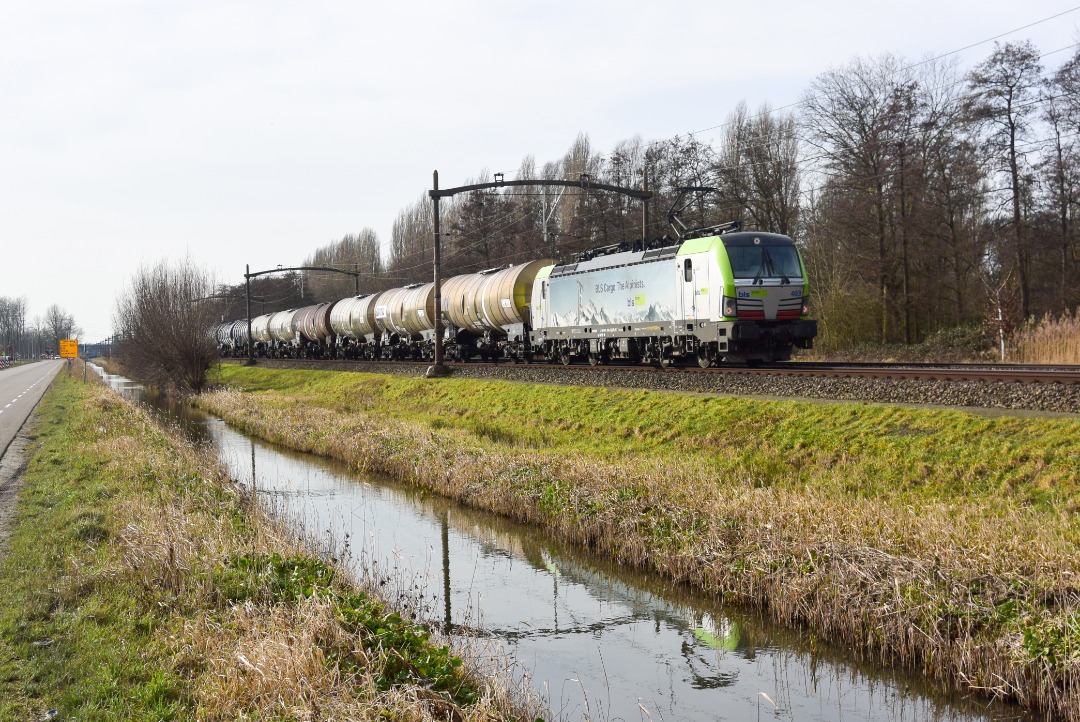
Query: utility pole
column 645, row 205
column 250, row 340
column 438, row 368
column 546, row 215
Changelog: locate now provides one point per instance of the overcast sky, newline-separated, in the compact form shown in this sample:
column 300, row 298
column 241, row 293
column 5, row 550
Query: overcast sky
column 253, row 132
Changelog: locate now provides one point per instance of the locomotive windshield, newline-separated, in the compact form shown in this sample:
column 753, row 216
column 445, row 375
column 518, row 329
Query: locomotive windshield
column 764, row 261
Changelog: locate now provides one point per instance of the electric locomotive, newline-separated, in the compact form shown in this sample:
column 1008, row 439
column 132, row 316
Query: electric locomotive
column 713, row 295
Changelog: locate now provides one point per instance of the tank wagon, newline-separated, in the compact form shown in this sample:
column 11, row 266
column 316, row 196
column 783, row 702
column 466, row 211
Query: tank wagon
column 315, row 336
column 260, row 334
column 488, row 314
column 406, row 318
column 353, row 322
column 716, row 295
column 231, row 337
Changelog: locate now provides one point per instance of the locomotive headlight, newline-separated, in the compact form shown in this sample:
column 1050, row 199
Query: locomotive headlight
column 730, row 307
column 806, row 305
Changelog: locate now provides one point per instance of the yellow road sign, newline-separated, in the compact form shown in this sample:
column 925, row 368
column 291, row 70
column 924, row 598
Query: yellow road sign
column 69, row 348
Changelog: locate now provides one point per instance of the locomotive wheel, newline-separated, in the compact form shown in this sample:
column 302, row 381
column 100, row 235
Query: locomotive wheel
column 703, row 359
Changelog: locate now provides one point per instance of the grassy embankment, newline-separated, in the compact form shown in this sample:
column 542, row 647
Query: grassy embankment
column 934, row 539
column 140, row 584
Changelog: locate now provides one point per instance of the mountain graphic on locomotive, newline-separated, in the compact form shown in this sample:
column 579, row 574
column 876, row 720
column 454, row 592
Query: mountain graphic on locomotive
column 716, row 294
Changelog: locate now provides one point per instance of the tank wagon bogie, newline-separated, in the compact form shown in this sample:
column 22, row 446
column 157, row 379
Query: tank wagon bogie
column 732, row 297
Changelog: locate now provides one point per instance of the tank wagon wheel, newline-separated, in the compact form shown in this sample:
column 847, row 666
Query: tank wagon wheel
column 564, row 356
column 665, row 362
column 595, row 359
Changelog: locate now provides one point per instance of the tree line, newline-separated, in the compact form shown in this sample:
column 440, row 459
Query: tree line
column 20, row 338
column 923, row 198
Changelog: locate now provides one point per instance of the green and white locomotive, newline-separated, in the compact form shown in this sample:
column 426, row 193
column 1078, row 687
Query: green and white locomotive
column 711, row 296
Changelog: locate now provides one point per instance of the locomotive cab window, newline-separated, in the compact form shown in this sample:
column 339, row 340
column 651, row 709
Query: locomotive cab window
column 764, row 262
column 688, row 270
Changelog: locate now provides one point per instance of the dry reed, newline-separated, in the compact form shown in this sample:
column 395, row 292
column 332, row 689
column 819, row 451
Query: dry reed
column 1052, row 340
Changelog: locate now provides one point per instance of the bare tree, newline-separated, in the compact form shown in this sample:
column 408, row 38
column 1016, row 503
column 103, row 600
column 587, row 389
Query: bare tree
column 1060, row 167
column 60, row 324
column 162, row 322
column 359, row 253
column 1003, row 88
column 766, row 168
column 850, row 115
column 411, row 239
column 12, row 324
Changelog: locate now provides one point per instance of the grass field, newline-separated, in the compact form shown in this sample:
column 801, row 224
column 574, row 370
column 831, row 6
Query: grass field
column 139, row 584
column 939, row 540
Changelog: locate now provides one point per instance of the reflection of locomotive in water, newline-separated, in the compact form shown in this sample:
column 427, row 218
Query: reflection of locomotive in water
column 711, row 296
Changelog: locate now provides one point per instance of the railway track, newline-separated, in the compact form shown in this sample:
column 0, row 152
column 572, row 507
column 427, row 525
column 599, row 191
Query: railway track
column 988, row 373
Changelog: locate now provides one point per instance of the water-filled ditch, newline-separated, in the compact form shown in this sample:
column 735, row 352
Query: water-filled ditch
column 599, row 641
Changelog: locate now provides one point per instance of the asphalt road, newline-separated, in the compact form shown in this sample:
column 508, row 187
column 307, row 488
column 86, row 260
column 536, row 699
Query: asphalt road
column 20, row 390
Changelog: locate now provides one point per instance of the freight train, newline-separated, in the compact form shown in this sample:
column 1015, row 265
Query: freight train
column 715, row 295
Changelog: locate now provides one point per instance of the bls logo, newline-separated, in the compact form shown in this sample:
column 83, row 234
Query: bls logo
column 744, row 294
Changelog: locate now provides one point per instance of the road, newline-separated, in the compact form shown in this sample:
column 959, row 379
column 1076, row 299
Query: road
column 20, row 390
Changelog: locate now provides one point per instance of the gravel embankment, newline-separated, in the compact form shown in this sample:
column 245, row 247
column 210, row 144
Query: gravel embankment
column 1012, row 396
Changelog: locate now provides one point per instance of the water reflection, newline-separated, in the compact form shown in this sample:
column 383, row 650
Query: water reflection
column 600, row 641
